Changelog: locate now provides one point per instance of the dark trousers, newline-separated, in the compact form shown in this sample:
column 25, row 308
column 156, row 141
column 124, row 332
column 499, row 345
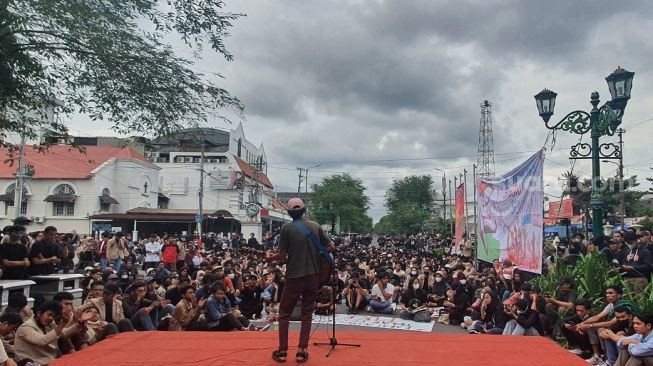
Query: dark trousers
column 248, row 310
column 229, row 322
column 305, row 288
column 125, row 325
column 575, row 339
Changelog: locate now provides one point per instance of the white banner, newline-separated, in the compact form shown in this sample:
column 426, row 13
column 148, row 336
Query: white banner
column 374, row 321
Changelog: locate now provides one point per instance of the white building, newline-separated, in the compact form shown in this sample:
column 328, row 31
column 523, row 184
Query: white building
column 234, row 175
column 115, row 188
column 69, row 186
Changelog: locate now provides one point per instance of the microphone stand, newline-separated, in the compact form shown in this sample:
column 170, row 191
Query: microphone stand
column 333, row 342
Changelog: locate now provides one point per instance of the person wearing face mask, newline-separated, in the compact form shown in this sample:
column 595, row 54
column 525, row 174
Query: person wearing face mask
column 623, row 328
column 414, row 301
column 637, row 264
column 439, row 291
column 14, row 254
column 637, row 349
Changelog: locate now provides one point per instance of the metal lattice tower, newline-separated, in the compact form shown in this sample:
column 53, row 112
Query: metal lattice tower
column 486, row 142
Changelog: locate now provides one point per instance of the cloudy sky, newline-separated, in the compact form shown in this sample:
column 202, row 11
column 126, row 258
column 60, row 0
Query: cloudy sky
column 385, row 89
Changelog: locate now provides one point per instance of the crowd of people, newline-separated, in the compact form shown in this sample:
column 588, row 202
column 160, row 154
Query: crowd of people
column 174, row 283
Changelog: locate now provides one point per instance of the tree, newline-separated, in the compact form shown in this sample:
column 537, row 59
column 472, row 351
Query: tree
column 581, row 190
column 409, row 201
column 414, row 189
column 341, row 196
column 109, row 59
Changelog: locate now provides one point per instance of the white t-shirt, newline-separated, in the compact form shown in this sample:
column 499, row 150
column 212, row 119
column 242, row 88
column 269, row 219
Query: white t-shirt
column 376, row 291
column 608, row 308
column 153, row 247
column 3, row 354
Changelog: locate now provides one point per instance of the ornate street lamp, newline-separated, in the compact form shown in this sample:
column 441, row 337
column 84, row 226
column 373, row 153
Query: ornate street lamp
column 546, row 102
column 600, row 121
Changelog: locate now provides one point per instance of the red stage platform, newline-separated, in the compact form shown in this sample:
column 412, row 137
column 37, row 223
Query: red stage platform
column 378, row 348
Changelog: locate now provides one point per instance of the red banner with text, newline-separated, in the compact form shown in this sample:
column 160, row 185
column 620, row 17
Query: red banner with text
column 460, row 212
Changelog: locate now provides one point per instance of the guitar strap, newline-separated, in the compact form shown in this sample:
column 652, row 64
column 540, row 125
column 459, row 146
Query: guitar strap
column 316, row 242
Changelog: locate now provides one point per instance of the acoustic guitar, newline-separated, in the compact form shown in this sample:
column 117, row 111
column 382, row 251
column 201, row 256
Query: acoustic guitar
column 325, row 266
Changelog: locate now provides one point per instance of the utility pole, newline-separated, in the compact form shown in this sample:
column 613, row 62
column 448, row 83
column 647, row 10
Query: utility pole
column 622, row 186
column 444, row 196
column 201, row 192
column 20, row 177
column 450, row 211
column 465, row 202
column 475, row 203
column 299, row 184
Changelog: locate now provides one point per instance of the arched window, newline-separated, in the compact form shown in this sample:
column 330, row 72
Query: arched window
column 240, row 147
column 10, row 196
column 63, row 200
column 106, row 200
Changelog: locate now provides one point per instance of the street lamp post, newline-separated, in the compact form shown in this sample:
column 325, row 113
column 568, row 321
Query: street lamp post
column 599, row 122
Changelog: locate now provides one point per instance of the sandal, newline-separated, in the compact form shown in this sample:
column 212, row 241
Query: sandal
column 279, row 356
column 301, row 356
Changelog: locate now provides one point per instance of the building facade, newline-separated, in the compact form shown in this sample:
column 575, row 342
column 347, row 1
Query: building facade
column 68, row 187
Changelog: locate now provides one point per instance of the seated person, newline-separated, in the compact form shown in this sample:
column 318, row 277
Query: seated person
column 413, row 301
column 8, row 324
column 637, row 349
column 491, row 317
column 524, row 319
column 382, row 292
column 456, row 304
column 111, row 316
column 187, row 312
column 36, row 339
column 251, row 304
column 219, row 314
column 355, row 294
column 623, row 328
column 604, row 320
column 142, row 312
column 557, row 306
column 578, row 342
column 324, row 301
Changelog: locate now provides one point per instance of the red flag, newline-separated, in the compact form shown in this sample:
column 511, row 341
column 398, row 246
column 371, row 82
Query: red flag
column 460, row 212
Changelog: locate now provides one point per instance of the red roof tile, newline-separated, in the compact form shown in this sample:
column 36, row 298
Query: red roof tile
column 248, row 170
column 65, row 162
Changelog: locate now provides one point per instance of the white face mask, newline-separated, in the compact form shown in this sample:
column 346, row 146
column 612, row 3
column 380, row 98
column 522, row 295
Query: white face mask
column 438, row 279
column 462, row 282
column 416, row 285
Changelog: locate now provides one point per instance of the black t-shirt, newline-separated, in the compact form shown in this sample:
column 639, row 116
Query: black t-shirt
column 108, row 312
column 46, row 251
column 14, row 252
column 249, row 296
column 173, row 295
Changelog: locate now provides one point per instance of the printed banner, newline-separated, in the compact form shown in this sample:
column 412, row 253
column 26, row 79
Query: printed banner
column 460, row 213
column 374, row 321
column 510, row 215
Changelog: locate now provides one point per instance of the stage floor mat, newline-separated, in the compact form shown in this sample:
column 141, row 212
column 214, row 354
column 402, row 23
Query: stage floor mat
column 378, row 348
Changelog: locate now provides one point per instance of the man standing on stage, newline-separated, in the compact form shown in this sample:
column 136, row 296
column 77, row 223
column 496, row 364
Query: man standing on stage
column 302, row 275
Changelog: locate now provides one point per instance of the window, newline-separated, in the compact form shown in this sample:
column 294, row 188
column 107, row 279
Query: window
column 104, row 205
column 11, row 196
column 240, row 147
column 64, row 207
